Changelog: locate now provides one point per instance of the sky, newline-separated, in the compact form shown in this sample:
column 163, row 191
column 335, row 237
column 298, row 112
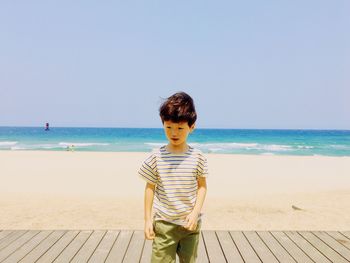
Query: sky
column 247, row 64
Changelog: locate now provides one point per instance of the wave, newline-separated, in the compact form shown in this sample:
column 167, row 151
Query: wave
column 305, row 147
column 82, row 144
column 154, row 144
column 222, row 147
column 61, row 145
column 244, row 146
column 340, row 146
column 18, row 148
column 47, row 146
column 7, row 143
column 36, row 146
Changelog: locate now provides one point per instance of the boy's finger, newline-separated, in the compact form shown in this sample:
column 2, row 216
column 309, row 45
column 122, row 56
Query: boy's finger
column 192, row 227
column 188, row 226
column 149, row 236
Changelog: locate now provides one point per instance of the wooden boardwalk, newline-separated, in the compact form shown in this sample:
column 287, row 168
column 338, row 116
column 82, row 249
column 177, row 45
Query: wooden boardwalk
column 215, row 246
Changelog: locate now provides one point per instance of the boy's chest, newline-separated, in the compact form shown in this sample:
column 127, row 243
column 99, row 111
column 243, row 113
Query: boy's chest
column 177, row 168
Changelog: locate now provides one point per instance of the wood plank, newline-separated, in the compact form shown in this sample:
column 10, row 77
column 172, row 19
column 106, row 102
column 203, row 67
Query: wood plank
column 291, row 247
column 28, row 246
column 56, row 249
column 247, row 252
column 260, row 248
column 214, row 246
column 38, row 251
column 202, row 251
column 13, row 246
column 69, row 252
column 119, row 247
column 304, row 245
column 228, row 246
column 104, row 247
column 279, row 252
column 338, row 247
column 321, row 246
column 5, row 233
column 346, row 234
column 89, row 246
column 215, row 253
column 340, row 238
column 11, row 237
column 147, row 252
column 133, row 254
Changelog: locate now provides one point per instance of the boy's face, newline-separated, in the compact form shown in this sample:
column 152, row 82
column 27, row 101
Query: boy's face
column 177, row 132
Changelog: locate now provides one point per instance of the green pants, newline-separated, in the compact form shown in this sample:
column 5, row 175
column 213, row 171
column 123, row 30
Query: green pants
column 171, row 239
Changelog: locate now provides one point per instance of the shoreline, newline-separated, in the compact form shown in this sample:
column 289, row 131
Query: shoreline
column 210, row 153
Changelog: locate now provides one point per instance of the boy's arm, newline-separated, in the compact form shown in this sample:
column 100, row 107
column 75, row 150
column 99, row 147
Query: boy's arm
column 201, row 192
column 149, row 194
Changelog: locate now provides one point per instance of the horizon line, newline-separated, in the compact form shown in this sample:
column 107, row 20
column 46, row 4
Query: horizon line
column 202, row 128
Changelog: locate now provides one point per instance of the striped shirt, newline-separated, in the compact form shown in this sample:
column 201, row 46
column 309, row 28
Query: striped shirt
column 175, row 177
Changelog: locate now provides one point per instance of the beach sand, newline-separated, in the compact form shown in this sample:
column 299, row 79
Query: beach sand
column 99, row 190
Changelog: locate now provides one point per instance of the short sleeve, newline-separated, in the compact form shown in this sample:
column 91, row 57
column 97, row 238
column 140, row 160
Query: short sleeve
column 148, row 170
column 202, row 167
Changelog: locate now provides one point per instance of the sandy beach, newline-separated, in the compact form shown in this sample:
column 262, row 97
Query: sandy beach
column 102, row 190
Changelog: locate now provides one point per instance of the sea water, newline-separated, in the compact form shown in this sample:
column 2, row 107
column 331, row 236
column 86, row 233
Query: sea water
column 223, row 141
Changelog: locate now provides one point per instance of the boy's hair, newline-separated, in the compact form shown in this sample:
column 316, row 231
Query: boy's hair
column 178, row 107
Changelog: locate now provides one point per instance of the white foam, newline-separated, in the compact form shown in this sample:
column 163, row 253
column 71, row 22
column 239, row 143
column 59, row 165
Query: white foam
column 276, row 147
column 305, row 147
column 340, row 147
column 78, row 144
column 46, row 146
column 18, row 148
column 35, row 146
column 224, row 147
column 244, row 146
column 7, row 143
column 154, row 144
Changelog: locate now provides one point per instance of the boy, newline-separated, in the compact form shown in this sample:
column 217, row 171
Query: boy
column 175, row 176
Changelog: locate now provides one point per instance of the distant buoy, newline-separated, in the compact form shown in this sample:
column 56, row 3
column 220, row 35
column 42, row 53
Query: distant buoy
column 47, row 127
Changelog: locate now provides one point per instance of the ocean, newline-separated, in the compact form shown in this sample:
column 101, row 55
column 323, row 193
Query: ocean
column 222, row 141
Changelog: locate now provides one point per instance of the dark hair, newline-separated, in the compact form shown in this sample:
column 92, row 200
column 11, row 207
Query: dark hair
column 178, row 107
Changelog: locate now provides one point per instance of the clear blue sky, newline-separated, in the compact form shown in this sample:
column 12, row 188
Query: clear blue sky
column 247, row 64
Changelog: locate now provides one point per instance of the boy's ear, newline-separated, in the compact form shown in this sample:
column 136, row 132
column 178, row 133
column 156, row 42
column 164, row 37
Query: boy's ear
column 193, row 126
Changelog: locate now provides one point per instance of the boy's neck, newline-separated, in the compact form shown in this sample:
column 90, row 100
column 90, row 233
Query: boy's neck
column 177, row 148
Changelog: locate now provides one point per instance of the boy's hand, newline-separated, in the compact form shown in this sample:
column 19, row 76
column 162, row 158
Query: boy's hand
column 191, row 221
column 149, row 233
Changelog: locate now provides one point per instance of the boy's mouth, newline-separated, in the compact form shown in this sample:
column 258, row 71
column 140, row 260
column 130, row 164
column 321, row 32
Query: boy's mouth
column 174, row 139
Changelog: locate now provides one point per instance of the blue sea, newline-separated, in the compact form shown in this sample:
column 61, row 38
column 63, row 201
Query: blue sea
column 223, row 141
